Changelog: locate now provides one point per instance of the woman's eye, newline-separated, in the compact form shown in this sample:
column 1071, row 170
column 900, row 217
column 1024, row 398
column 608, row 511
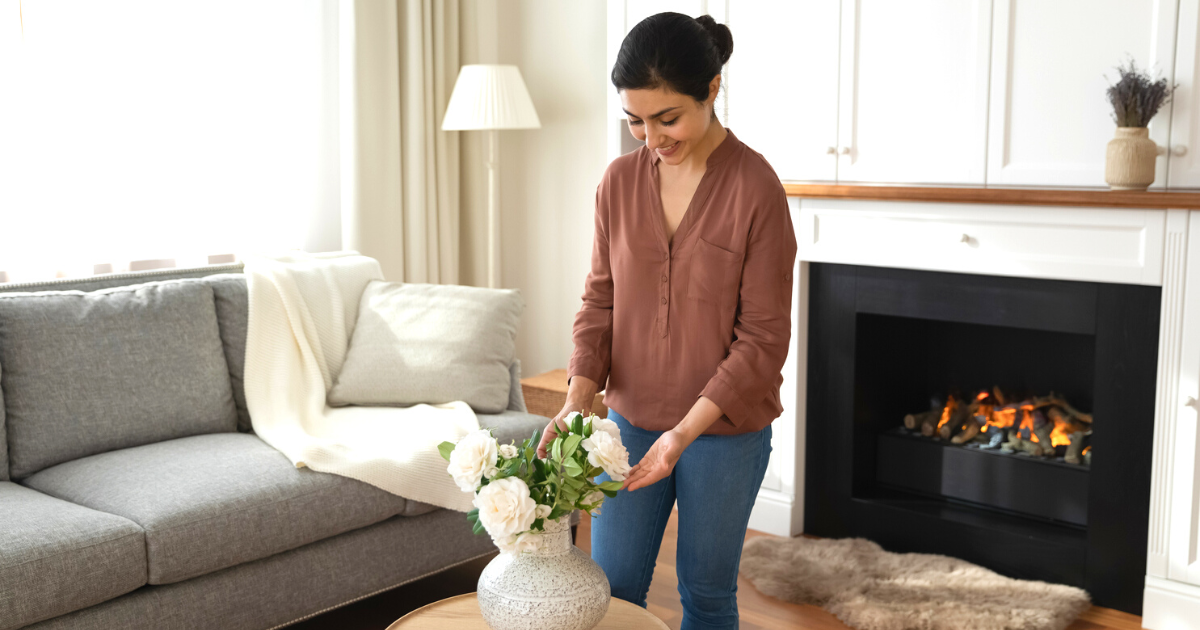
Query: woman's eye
column 670, row 122
column 635, row 122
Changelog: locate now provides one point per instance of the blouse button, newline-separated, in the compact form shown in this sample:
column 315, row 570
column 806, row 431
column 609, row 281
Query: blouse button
column 664, row 300
column 664, row 277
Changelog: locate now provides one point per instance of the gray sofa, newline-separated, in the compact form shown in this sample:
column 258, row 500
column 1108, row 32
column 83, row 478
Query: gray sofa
column 134, row 494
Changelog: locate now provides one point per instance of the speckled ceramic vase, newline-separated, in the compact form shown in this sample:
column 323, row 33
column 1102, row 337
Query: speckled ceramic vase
column 558, row 586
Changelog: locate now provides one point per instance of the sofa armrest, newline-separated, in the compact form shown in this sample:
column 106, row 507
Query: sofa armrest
column 516, row 396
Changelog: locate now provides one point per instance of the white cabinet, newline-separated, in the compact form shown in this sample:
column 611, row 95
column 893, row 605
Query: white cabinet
column 1184, row 160
column 782, row 85
column 913, row 97
column 1183, row 547
column 1049, row 118
column 954, row 92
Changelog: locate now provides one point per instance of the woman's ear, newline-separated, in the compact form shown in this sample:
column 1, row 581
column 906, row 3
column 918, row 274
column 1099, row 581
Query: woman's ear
column 714, row 86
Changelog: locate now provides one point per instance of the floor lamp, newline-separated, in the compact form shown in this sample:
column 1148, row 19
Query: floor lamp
column 491, row 97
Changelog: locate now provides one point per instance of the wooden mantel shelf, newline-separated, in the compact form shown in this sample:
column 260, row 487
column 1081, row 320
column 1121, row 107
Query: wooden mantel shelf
column 1002, row 196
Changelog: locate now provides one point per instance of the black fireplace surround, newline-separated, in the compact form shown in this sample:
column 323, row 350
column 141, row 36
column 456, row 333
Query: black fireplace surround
column 883, row 341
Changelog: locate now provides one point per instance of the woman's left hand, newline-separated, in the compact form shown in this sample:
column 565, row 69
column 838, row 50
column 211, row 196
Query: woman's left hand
column 658, row 462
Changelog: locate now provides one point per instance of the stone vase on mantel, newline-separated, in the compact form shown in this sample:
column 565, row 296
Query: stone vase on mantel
column 1131, row 159
column 557, row 586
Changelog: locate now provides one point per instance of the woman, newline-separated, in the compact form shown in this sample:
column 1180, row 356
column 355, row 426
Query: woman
column 686, row 314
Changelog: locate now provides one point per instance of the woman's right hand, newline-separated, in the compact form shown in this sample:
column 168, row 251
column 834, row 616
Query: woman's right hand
column 580, row 395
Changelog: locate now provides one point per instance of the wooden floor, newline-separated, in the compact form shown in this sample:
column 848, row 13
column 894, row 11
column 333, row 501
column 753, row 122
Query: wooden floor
column 758, row 612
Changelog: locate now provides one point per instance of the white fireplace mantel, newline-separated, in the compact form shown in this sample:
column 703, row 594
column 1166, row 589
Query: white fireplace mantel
column 1120, row 245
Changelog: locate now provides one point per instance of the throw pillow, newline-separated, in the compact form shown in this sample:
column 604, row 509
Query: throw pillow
column 431, row 343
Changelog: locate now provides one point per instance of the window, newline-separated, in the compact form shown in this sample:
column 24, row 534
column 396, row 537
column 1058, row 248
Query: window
column 142, row 130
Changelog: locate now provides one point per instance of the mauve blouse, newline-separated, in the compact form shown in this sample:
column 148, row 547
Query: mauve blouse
column 707, row 314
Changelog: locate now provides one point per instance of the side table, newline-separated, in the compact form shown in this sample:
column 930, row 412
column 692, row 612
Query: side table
column 462, row 613
column 546, row 393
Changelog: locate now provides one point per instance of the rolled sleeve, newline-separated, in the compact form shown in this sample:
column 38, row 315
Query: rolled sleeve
column 592, row 331
column 762, row 330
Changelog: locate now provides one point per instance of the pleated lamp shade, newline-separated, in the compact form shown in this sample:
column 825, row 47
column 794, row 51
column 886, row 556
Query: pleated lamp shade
column 489, row 96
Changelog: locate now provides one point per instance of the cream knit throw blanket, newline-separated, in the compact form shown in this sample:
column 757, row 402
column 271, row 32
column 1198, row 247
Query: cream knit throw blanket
column 303, row 308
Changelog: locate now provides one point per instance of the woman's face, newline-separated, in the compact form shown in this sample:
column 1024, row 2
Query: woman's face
column 670, row 123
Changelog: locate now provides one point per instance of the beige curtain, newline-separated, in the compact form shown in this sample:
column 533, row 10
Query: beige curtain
column 400, row 171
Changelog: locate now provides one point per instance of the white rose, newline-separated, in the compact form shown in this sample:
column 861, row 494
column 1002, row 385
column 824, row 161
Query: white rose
column 608, row 453
column 607, row 426
column 508, row 451
column 505, row 507
column 491, row 473
column 526, row 542
column 593, row 498
column 474, row 454
column 542, row 511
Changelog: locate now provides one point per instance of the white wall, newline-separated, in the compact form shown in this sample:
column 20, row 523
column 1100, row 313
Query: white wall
column 548, row 176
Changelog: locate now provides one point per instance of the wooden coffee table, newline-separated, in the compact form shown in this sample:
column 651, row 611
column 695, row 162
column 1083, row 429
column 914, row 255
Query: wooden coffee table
column 462, row 612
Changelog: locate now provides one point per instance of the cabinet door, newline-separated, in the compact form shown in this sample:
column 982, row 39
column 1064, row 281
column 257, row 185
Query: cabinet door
column 1051, row 65
column 782, row 84
column 914, row 81
column 1184, row 160
column 1184, row 524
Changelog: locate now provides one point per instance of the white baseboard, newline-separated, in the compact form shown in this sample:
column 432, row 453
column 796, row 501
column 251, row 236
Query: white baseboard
column 1170, row 605
column 776, row 513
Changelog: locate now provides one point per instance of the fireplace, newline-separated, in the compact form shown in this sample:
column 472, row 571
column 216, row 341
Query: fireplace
column 1079, row 357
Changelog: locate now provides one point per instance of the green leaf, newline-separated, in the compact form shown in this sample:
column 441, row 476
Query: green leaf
column 609, row 493
column 478, row 528
column 572, row 467
column 445, row 448
column 556, row 449
column 538, row 523
column 473, row 515
column 611, row 485
column 577, row 425
column 587, row 428
column 558, row 511
column 571, row 444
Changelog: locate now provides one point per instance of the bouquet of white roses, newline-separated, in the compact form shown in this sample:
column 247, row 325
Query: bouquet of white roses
column 516, row 491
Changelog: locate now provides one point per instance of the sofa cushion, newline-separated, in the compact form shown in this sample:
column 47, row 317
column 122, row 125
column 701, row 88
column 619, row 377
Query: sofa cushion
column 56, row 557
column 3, row 435
column 86, row 373
column 209, row 502
column 233, row 309
column 431, row 343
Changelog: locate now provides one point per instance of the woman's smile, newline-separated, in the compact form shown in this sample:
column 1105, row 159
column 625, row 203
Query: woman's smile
column 669, row 150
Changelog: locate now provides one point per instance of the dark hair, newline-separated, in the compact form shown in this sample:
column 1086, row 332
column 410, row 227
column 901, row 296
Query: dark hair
column 674, row 51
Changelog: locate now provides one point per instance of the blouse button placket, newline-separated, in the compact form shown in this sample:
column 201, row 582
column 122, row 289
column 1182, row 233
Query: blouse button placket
column 664, row 305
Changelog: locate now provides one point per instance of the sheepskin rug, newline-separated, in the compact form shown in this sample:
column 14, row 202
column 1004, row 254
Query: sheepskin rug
column 871, row 589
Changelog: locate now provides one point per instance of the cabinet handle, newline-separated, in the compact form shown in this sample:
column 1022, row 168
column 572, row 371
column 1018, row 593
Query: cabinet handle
column 844, row 150
column 1179, row 150
column 1191, row 402
column 831, row 151
column 1160, row 149
column 966, row 238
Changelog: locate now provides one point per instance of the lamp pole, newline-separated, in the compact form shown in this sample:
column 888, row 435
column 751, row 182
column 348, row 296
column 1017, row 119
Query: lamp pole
column 493, row 215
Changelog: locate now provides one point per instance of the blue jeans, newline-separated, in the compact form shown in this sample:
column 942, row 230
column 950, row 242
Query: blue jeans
column 715, row 483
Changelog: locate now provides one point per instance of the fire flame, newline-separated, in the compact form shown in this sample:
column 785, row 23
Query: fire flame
column 1004, row 417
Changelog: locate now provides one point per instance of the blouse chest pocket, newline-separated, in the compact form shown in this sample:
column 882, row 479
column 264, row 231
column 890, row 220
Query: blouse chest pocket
column 715, row 274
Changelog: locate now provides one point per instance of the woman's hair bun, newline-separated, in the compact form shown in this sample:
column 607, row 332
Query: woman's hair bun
column 721, row 35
